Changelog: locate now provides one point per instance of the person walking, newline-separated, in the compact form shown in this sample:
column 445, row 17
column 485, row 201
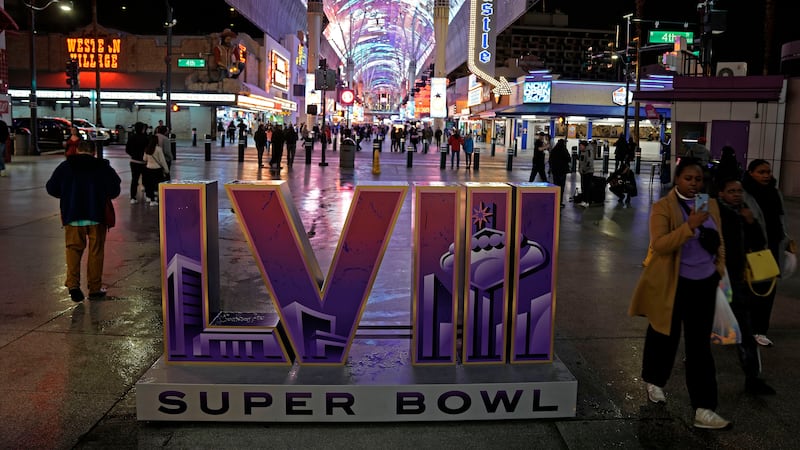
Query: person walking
column 677, row 288
column 742, row 233
column 537, row 167
column 260, row 139
column 277, row 148
column 71, row 144
column 469, row 149
column 560, row 161
column 764, row 198
column 455, row 142
column 586, row 169
column 438, row 136
column 620, row 151
column 156, row 169
column 84, row 185
column 135, row 150
column 4, row 135
column 290, row 137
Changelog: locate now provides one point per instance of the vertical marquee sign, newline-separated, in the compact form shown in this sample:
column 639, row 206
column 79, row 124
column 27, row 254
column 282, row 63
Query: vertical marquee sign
column 482, row 44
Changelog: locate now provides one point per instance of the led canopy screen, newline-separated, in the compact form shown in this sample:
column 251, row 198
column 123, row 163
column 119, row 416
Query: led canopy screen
column 536, row 91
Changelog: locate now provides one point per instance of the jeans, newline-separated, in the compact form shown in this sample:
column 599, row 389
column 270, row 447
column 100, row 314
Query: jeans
column 455, row 155
column 77, row 239
column 137, row 171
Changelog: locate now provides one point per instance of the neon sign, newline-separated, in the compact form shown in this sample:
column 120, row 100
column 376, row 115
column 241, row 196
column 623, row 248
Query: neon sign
column 92, row 53
column 279, row 71
column 496, row 262
column 482, row 43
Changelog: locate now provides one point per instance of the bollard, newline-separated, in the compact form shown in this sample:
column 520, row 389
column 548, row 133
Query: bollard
column 443, row 153
column 494, row 144
column 324, row 147
column 403, row 144
column 409, row 158
column 638, row 160
column 309, row 147
column 241, row 149
column 173, row 146
column 194, row 137
column 98, row 147
column 222, row 142
column 376, row 145
column 509, row 161
column 574, row 159
column 605, row 159
column 476, row 159
column 207, row 144
column 334, row 142
column 376, row 159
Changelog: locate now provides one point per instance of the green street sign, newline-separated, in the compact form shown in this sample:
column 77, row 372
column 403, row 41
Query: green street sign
column 668, row 37
column 198, row 63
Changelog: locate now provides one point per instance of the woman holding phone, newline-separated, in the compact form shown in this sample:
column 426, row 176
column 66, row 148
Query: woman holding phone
column 677, row 289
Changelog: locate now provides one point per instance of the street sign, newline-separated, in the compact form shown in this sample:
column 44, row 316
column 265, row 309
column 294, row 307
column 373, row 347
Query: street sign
column 191, row 62
column 668, row 37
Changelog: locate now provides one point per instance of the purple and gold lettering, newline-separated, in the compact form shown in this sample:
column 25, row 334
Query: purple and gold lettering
column 536, row 233
column 438, row 231
column 487, row 259
column 190, row 284
column 319, row 316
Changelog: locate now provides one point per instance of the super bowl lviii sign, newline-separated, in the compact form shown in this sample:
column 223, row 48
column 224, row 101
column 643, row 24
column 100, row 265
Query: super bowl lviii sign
column 482, row 296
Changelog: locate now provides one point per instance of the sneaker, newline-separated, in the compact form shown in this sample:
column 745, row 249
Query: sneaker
column 134, row 201
column 762, row 340
column 153, row 203
column 708, row 419
column 757, row 386
column 584, row 204
column 655, row 394
column 97, row 294
column 76, row 295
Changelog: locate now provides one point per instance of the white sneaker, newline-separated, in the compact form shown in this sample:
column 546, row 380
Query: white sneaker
column 153, row 202
column 706, row 418
column 134, row 201
column 584, row 204
column 762, row 340
column 655, row 394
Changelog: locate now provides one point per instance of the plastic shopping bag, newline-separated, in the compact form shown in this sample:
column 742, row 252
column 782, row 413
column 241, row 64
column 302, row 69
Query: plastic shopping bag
column 726, row 329
column 725, row 287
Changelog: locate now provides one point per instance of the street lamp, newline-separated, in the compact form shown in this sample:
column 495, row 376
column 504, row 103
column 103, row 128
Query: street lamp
column 65, row 6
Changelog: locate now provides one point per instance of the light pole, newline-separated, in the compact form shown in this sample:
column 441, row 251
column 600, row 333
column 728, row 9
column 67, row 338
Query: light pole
column 168, row 59
column 626, row 60
column 65, row 6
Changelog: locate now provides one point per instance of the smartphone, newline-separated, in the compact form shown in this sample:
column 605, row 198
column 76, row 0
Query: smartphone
column 701, row 202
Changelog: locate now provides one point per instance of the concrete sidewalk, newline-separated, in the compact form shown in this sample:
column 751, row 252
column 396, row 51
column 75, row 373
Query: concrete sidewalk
column 69, row 369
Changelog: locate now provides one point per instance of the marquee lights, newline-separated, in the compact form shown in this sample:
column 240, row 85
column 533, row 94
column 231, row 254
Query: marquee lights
column 95, row 52
column 482, row 42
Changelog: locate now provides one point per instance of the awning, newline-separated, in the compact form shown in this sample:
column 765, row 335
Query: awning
column 558, row 109
column 6, row 22
column 723, row 89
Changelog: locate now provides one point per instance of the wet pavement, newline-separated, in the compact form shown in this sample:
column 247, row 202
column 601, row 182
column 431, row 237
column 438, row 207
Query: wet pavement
column 69, row 370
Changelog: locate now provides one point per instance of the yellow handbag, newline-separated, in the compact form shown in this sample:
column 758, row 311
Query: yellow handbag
column 761, row 266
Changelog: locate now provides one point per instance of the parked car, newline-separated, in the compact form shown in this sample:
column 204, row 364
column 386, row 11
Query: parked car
column 92, row 132
column 53, row 131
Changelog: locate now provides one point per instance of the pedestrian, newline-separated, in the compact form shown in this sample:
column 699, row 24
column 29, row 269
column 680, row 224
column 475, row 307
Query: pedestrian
column 727, row 169
column 290, row 137
column 455, row 141
column 678, row 288
column 469, row 148
column 586, row 169
column 742, row 234
column 560, row 160
column 427, row 136
column 620, row 151
column 71, row 144
column 537, row 166
column 221, row 132
column 163, row 142
column 156, row 169
column 277, row 148
column 231, row 131
column 764, row 198
column 622, row 183
column 84, row 186
column 260, row 139
column 4, row 136
column 438, row 136
column 135, row 150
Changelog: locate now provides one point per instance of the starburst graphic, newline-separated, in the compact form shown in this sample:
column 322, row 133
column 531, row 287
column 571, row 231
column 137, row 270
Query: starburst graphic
column 481, row 216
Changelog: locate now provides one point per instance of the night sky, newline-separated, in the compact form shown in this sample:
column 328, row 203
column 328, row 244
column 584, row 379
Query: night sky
column 147, row 17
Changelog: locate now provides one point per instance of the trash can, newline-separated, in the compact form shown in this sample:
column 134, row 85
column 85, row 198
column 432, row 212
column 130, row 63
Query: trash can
column 22, row 143
column 347, row 154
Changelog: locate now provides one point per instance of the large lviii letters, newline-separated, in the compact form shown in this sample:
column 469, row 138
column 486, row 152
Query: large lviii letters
column 484, row 258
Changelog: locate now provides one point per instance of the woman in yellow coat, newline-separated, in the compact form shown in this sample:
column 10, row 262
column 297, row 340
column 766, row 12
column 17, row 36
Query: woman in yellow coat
column 677, row 289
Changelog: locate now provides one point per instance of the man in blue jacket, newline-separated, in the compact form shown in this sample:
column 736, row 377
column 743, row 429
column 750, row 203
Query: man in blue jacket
column 84, row 185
